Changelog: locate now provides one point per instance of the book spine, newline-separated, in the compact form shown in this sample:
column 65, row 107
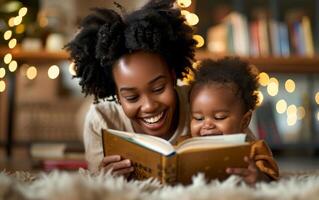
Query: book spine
column 168, row 172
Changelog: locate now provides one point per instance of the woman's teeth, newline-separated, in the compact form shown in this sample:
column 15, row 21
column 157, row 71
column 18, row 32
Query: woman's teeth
column 152, row 120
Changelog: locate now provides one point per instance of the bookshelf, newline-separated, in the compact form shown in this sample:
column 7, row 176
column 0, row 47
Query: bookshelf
column 274, row 64
column 42, row 102
column 280, row 38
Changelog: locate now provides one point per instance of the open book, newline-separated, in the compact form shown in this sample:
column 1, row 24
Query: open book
column 155, row 157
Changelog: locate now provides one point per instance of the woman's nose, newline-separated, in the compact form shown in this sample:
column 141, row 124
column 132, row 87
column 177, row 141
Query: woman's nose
column 149, row 104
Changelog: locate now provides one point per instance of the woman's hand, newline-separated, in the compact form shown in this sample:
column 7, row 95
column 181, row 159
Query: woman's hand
column 251, row 174
column 117, row 165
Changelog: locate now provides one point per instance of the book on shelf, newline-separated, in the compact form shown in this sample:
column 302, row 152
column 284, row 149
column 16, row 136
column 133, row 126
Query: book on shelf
column 57, row 156
column 154, row 157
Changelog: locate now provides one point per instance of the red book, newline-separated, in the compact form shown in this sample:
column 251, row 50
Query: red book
column 49, row 165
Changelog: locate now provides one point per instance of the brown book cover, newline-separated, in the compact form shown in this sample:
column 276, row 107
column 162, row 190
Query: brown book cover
column 153, row 157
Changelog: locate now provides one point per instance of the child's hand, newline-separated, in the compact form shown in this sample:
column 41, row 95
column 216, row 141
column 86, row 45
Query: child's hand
column 116, row 165
column 250, row 175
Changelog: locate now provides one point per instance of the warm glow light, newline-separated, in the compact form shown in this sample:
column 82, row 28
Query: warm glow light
column 290, row 85
column 72, row 69
column 11, row 22
column 291, row 120
column 274, row 80
column 263, row 79
column 272, row 89
column 281, row 106
column 7, row 58
column 23, row 11
column 199, row 39
column 53, row 72
column 317, row 98
column 2, row 72
column 260, row 97
column 184, row 3
column 20, row 29
column 292, row 110
column 184, row 13
column 13, row 66
column 2, row 86
column 192, row 19
column 17, row 20
column 12, row 43
column 31, row 73
column 301, row 112
column 7, row 35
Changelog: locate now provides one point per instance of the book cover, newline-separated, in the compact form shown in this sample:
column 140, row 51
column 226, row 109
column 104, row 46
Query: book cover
column 153, row 157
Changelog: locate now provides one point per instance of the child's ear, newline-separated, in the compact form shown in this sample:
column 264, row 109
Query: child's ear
column 246, row 120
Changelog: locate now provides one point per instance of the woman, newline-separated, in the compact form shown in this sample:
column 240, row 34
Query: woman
column 133, row 61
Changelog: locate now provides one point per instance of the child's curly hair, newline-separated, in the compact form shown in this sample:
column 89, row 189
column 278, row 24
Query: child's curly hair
column 105, row 36
column 230, row 70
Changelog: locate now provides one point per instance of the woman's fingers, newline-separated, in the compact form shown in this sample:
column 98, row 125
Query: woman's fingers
column 124, row 171
column 238, row 171
column 115, row 164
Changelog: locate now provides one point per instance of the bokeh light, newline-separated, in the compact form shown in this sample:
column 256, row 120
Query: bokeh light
column 53, row 72
column 290, row 86
column 281, row 106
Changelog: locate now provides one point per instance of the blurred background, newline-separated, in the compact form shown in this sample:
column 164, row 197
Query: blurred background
column 42, row 108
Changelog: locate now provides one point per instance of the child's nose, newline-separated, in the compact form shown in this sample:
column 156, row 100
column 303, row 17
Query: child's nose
column 209, row 123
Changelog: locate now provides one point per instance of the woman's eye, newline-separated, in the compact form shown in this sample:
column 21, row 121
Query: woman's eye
column 158, row 89
column 131, row 98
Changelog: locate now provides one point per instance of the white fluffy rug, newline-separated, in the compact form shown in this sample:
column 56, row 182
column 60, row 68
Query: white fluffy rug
column 84, row 186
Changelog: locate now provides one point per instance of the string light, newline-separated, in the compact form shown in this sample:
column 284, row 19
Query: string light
column 7, row 58
column 274, row 80
column 290, row 86
column 199, row 39
column 12, row 43
column 53, row 72
column 72, row 69
column 317, row 98
column 11, row 22
column 32, row 72
column 263, row 79
column 23, row 11
column 17, row 20
column 2, row 86
column 2, row 72
column 192, row 19
column 292, row 110
column 13, row 66
column 272, row 89
column 7, row 35
column 184, row 3
column 281, row 106
column 291, row 120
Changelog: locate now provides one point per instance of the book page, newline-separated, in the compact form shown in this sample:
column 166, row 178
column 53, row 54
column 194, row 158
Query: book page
column 151, row 142
column 220, row 141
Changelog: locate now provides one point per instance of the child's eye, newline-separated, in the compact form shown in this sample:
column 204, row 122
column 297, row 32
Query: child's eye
column 220, row 117
column 198, row 118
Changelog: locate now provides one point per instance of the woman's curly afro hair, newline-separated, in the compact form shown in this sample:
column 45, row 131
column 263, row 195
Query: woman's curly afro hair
column 230, row 70
column 105, row 36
